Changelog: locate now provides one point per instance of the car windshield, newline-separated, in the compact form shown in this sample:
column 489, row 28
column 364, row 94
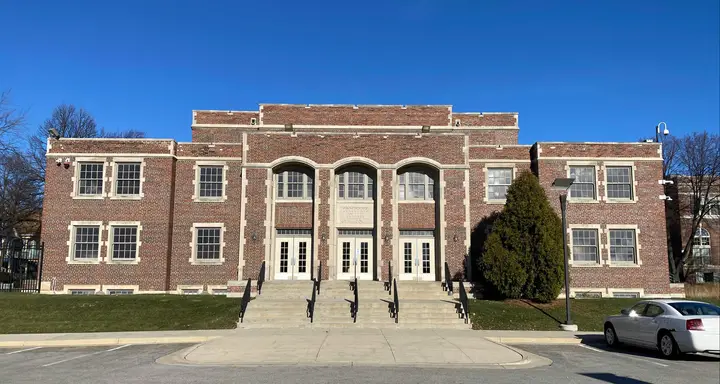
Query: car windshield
column 696, row 309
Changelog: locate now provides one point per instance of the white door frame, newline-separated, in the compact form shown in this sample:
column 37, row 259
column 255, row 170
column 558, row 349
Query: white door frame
column 357, row 247
column 421, row 250
column 299, row 251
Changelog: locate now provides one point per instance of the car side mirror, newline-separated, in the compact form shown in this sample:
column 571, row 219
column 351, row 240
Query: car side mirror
column 624, row 312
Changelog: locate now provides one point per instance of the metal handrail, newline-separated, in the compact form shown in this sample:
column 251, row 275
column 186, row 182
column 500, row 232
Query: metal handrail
column 388, row 283
column 396, row 302
column 463, row 301
column 245, row 300
column 261, row 278
column 354, row 306
column 318, row 279
column 448, row 285
column 311, row 305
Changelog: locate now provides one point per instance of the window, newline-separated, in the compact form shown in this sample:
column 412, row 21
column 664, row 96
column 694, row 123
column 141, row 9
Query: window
column 91, row 179
column 653, row 310
column 701, row 246
column 712, row 208
column 638, row 308
column 499, row 180
column 354, row 185
column 619, row 183
column 120, row 291
column 127, row 179
column 626, row 295
column 211, row 181
column 622, row 245
column 82, row 292
column 584, row 185
column 294, row 185
column 86, row 242
column 585, row 245
column 208, row 243
column 124, row 242
column 415, row 186
column 689, row 308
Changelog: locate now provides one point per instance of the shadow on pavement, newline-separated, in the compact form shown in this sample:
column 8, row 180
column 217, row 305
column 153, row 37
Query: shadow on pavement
column 613, row 378
column 597, row 341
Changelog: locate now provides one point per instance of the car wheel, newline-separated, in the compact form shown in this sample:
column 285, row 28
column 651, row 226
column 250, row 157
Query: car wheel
column 667, row 345
column 611, row 336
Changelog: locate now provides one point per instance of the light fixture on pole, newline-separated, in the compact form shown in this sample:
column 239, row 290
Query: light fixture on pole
column 563, row 185
column 665, row 131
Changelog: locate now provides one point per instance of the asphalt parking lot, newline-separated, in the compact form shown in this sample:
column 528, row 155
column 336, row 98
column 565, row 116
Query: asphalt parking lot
column 136, row 364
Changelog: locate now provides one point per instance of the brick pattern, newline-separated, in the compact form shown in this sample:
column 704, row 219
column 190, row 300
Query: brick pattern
column 255, row 213
column 500, row 153
column 485, row 120
column 225, row 117
column 454, row 194
column 644, row 150
column 110, row 146
column 416, row 215
column 494, row 137
column 385, row 223
column 387, row 115
column 324, row 247
column 209, row 150
column 294, row 215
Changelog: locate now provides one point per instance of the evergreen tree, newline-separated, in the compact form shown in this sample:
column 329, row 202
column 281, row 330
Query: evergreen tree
column 524, row 253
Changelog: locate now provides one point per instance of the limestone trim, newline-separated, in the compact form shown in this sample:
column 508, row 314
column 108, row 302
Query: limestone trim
column 189, row 287
column 293, row 159
column 134, row 288
column 70, row 259
column 436, row 128
column 81, row 287
column 333, row 233
column 466, row 202
column 638, row 245
column 317, row 183
column 216, row 289
column 113, row 178
column 575, row 291
column 196, row 181
column 443, row 224
column 596, row 168
column 76, row 177
column 243, row 222
column 109, row 243
column 602, row 158
column 633, row 181
column 269, row 238
column 486, row 186
column 496, row 160
column 395, row 225
column 193, row 244
column 376, row 165
column 639, row 291
column 356, row 159
column 377, row 224
column 600, row 261
column 416, row 160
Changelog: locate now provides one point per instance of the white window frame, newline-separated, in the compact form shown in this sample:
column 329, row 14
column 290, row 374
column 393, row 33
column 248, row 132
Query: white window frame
column 587, row 164
column 486, row 185
column 111, row 237
column 369, row 188
column 714, row 201
column 403, row 180
column 307, row 181
column 699, row 235
column 193, row 259
column 633, row 182
column 76, row 177
column 134, row 288
column 600, row 246
column 68, row 288
column 638, row 246
column 114, row 178
column 71, row 242
column 196, row 182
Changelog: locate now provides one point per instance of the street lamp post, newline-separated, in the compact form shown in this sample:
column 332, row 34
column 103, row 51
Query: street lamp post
column 665, row 131
column 563, row 185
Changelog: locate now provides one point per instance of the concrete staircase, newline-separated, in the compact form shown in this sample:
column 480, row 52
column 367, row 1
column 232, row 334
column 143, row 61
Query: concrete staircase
column 283, row 304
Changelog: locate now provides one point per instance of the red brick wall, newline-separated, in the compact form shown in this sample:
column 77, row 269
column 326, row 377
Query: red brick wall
column 294, row 215
column 223, row 117
column 494, row 137
column 110, row 146
column 323, row 218
column 349, row 115
column 416, row 215
column 501, row 153
column 485, row 119
column 454, row 195
column 217, row 135
column 385, row 222
column 209, row 150
column 255, row 211
column 644, row 150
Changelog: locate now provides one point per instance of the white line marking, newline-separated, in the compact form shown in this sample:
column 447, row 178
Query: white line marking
column 22, row 350
column 120, row 347
column 590, row 348
column 72, row 358
column 647, row 361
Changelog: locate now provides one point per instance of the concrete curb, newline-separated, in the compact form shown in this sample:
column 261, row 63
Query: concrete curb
column 107, row 341
column 541, row 340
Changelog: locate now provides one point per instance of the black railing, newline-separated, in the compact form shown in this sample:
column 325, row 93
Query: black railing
column 355, row 305
column 318, row 279
column 448, row 284
column 388, row 283
column 311, row 305
column 245, row 300
column 261, row 278
column 20, row 265
column 396, row 302
column 463, row 302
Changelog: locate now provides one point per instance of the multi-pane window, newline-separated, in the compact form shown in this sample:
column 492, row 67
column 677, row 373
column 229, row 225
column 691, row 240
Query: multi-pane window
column 584, row 185
column 499, row 179
column 354, row 185
column 294, row 185
column 124, row 242
column 622, row 245
column 585, row 245
column 91, row 178
column 619, row 183
column 416, row 186
column 211, row 181
column 207, row 243
column 701, row 246
column 86, row 245
column 127, row 179
column 711, row 206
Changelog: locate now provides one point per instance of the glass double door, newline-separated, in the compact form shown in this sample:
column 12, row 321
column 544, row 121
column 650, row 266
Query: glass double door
column 417, row 258
column 293, row 257
column 355, row 257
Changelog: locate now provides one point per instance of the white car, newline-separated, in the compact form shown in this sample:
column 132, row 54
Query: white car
column 670, row 326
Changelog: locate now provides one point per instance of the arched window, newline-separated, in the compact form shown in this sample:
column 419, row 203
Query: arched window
column 294, row 185
column 354, row 185
column 415, row 185
column 701, row 245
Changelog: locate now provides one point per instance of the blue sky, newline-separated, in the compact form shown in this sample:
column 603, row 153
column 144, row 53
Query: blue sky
column 575, row 70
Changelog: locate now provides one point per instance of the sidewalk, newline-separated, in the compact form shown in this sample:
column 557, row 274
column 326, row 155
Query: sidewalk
column 108, row 338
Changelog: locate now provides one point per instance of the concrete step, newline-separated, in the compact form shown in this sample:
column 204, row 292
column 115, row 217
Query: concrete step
column 356, row 325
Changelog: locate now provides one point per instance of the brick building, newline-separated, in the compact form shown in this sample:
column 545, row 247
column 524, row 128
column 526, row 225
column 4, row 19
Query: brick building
column 351, row 187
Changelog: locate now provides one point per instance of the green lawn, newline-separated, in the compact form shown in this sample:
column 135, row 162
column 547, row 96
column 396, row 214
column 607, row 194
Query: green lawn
column 28, row 313
column 588, row 314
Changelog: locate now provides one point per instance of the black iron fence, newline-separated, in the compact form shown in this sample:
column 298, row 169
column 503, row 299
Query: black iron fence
column 20, row 264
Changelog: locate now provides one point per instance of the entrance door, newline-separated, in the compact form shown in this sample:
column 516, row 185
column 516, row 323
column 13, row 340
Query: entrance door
column 417, row 257
column 292, row 257
column 355, row 255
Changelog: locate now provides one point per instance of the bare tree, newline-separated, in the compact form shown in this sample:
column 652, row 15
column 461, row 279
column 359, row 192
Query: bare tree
column 696, row 166
column 11, row 119
column 20, row 195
